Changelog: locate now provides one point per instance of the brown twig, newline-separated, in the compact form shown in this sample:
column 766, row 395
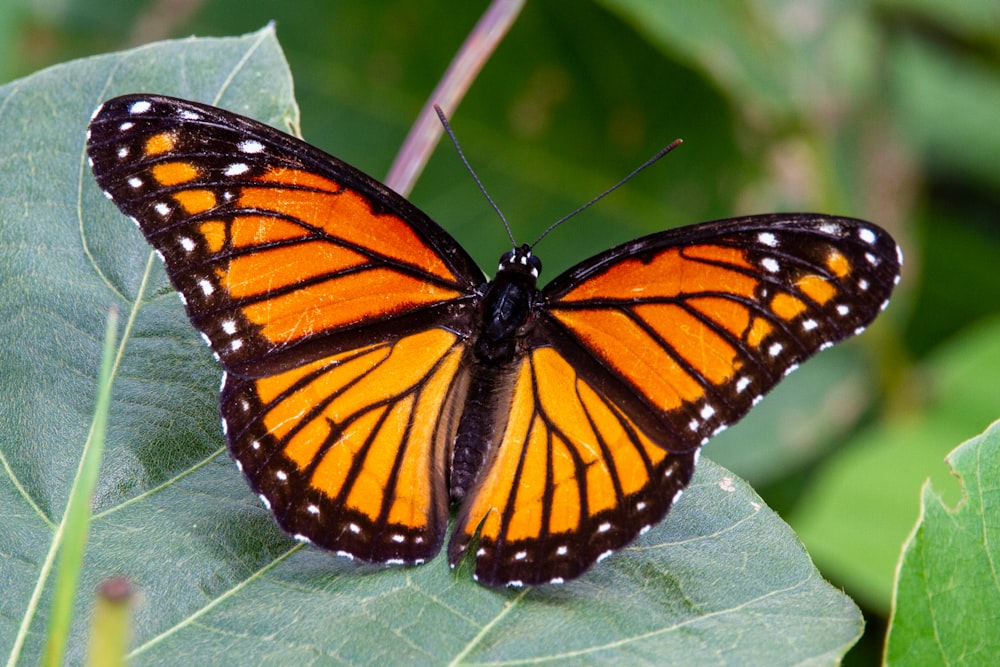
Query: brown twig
column 426, row 130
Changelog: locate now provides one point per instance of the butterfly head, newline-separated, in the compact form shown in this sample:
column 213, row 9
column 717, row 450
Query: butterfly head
column 521, row 260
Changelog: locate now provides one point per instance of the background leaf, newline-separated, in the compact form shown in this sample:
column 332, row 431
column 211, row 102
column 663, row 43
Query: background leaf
column 947, row 590
column 218, row 581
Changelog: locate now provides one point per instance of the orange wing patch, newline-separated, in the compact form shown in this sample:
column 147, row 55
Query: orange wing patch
column 572, row 479
column 329, row 207
column 349, row 451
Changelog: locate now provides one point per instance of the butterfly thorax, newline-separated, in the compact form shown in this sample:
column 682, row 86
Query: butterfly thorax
column 505, row 319
column 506, row 306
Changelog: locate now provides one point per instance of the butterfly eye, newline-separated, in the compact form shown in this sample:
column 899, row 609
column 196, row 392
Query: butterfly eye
column 521, row 260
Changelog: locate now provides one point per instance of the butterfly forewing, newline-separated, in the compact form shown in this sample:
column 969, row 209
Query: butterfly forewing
column 280, row 252
column 688, row 329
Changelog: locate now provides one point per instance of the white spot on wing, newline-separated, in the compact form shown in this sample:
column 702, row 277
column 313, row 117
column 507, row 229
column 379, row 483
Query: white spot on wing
column 162, row 209
column 770, row 264
column 126, row 126
column 707, row 412
column 263, row 499
column 206, row 287
column 236, row 169
column 282, row 475
column 866, row 235
column 768, row 239
column 142, row 106
column 775, row 349
column 187, row 243
column 251, row 146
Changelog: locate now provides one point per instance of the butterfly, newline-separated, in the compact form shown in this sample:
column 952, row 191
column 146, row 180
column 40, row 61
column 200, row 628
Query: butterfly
column 374, row 378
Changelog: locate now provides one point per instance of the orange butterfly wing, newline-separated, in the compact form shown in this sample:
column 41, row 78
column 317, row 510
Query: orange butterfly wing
column 280, row 251
column 639, row 356
column 338, row 310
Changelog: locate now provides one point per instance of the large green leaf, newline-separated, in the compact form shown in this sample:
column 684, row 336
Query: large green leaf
column 719, row 581
column 947, row 585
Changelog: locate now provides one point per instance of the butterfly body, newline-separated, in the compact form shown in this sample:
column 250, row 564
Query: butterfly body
column 373, row 377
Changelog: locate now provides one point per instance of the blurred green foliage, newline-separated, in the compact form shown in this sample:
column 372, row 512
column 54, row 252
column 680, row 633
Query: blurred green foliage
column 879, row 109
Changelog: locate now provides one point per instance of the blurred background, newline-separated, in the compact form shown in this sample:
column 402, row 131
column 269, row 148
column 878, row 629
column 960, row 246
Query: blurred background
column 879, row 109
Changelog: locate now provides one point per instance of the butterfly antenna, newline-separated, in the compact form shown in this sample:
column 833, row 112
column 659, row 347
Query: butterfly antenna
column 482, row 188
column 663, row 151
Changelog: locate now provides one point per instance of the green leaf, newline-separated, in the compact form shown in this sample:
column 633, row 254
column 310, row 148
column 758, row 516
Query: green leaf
column 947, row 588
column 719, row 581
column 863, row 504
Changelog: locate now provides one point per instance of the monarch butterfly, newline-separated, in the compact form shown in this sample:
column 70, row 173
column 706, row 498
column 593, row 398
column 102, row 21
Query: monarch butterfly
column 373, row 377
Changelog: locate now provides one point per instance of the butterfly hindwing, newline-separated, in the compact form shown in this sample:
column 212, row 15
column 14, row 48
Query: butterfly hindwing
column 573, row 479
column 280, row 251
column 349, row 452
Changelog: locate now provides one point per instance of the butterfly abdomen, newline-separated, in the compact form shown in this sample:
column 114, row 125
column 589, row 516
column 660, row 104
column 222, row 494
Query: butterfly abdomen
column 480, row 426
column 505, row 320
